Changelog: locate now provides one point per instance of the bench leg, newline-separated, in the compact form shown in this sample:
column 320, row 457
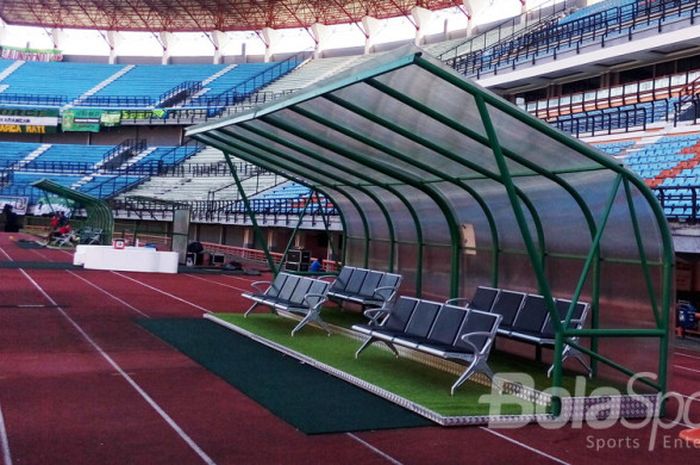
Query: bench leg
column 369, row 342
column 315, row 317
column 477, row 365
column 570, row 352
column 252, row 307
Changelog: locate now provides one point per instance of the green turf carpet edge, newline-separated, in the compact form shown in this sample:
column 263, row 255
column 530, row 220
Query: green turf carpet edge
column 308, row 399
column 441, row 419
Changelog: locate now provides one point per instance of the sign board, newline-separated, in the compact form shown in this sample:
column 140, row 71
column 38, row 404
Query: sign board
column 81, row 120
column 468, row 238
column 110, row 118
column 19, row 204
column 25, row 121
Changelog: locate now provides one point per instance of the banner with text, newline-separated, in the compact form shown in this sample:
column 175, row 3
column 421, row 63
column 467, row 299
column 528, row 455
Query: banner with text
column 19, row 204
column 81, row 120
column 24, row 121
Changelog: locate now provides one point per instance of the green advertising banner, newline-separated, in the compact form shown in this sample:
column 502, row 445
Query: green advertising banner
column 144, row 114
column 24, row 121
column 111, row 118
column 81, row 120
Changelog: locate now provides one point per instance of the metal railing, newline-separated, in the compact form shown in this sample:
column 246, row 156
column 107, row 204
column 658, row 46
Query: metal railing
column 680, row 203
column 33, row 99
column 599, row 99
column 118, row 101
column 178, row 93
column 526, row 48
column 508, row 29
column 618, row 120
column 214, row 169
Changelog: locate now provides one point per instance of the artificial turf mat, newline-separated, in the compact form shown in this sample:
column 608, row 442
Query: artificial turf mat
column 421, row 384
column 310, row 400
column 40, row 265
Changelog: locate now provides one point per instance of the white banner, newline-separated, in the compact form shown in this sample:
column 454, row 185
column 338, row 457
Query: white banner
column 19, row 204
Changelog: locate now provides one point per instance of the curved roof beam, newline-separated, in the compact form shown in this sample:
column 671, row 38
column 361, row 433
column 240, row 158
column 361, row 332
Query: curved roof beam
column 260, row 159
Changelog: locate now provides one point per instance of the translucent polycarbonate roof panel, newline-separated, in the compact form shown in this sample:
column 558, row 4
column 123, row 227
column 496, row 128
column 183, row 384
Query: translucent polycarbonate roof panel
column 500, row 197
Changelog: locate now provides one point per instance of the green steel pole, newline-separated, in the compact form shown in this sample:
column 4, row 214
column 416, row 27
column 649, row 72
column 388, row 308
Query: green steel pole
column 273, row 169
column 256, row 229
column 542, row 282
column 296, row 228
column 552, row 176
column 594, row 247
column 367, row 192
column 585, row 150
column 642, row 254
column 326, row 226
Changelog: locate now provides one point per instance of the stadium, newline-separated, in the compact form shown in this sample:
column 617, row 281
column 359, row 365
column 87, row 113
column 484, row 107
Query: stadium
column 386, row 231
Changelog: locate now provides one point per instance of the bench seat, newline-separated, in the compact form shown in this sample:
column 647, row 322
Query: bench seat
column 291, row 293
column 364, row 287
column 442, row 330
column 525, row 318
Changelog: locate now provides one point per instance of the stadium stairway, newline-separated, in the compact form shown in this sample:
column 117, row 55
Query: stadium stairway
column 100, row 86
column 205, row 83
column 312, row 71
column 32, row 156
column 10, row 69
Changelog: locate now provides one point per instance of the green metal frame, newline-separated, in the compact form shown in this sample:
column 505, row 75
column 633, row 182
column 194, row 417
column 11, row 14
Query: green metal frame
column 519, row 202
column 99, row 214
column 264, row 161
column 257, row 233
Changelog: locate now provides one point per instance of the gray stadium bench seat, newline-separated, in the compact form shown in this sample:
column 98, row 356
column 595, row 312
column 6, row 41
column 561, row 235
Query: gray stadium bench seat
column 364, row 287
column 295, row 294
column 447, row 331
column 525, row 318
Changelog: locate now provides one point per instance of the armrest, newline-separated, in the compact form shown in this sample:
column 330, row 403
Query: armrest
column 256, row 285
column 374, row 314
column 458, row 300
column 465, row 338
column 380, row 289
column 321, row 299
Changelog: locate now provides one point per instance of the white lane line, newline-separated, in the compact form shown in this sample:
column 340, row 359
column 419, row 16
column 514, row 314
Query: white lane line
column 41, row 255
column 199, row 307
column 375, row 450
column 185, row 437
column 4, row 443
column 681, row 354
column 109, row 294
column 525, row 446
column 686, row 368
column 6, row 254
column 247, row 280
column 217, row 283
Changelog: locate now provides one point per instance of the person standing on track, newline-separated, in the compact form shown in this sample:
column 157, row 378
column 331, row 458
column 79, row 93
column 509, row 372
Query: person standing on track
column 11, row 219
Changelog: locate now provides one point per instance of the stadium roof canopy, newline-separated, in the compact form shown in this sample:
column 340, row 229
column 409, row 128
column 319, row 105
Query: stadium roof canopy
column 203, row 15
column 453, row 187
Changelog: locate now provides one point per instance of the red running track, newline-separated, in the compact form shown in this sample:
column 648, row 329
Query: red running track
column 81, row 383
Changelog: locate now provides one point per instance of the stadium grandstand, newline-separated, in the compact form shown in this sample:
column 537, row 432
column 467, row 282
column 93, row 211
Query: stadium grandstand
column 213, row 210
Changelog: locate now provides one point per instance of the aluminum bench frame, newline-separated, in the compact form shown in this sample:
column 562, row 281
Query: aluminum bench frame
column 450, row 332
column 539, row 332
column 365, row 286
column 300, row 295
